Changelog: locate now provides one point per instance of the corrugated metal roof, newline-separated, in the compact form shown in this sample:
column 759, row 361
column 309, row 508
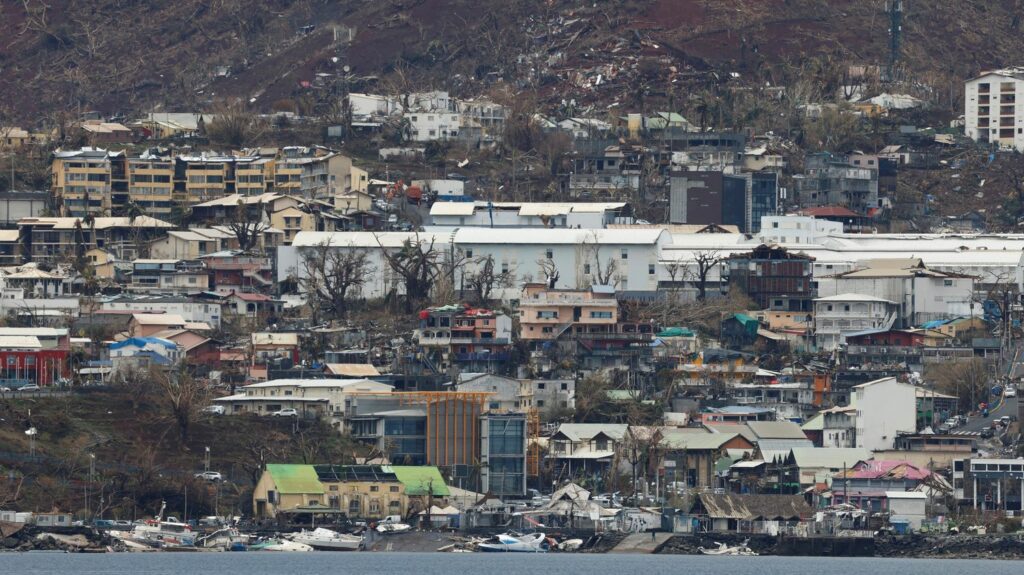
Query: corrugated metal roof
column 559, row 236
column 419, row 480
column 828, row 457
column 19, row 342
column 295, row 478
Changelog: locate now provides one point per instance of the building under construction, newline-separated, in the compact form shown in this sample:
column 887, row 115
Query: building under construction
column 478, row 448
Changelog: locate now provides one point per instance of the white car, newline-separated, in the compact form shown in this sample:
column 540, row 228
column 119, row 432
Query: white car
column 1010, row 392
column 209, row 476
column 30, row 387
column 214, row 409
column 287, row 412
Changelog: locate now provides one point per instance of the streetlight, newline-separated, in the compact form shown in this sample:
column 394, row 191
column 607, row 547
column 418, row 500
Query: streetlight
column 206, row 461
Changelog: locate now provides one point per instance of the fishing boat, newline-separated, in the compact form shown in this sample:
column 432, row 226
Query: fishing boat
column 535, row 543
column 326, row 540
column 724, row 549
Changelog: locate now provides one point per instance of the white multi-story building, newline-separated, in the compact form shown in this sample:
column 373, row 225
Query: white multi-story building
column 585, row 215
column 626, row 259
column 838, row 315
column 885, row 408
column 191, row 310
column 920, row 294
column 991, row 113
column 797, row 229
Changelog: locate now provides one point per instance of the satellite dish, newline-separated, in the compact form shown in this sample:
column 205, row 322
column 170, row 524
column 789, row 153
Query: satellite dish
column 346, row 68
column 31, row 431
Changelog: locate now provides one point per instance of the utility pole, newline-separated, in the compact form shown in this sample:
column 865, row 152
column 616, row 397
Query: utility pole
column 895, row 9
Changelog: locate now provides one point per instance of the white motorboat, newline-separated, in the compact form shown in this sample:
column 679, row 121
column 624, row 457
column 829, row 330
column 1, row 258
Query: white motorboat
column 389, row 528
column 159, row 532
column 724, row 549
column 535, row 543
column 326, row 540
column 281, row 545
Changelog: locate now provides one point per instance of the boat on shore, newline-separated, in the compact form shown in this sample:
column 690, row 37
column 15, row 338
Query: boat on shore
column 280, row 545
column 326, row 540
column 507, row 543
column 159, row 533
column 723, row 549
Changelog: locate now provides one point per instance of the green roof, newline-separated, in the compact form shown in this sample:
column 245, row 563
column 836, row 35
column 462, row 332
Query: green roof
column 418, row 479
column 291, row 478
column 676, row 332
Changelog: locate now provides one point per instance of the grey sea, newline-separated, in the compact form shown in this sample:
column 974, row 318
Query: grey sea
column 477, row 563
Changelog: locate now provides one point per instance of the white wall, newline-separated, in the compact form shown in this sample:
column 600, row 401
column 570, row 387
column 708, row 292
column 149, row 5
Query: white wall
column 972, row 102
column 190, row 311
column 797, row 229
column 920, row 299
column 884, row 409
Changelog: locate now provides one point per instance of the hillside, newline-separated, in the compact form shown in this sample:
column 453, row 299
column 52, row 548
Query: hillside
column 139, row 458
column 121, row 56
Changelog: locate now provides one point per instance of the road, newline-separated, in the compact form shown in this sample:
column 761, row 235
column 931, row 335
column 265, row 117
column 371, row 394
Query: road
column 1005, row 407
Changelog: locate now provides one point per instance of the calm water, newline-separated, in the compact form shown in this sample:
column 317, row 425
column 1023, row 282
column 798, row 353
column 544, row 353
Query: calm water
column 477, row 563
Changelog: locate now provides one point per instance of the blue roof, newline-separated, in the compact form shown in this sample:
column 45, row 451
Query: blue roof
column 935, row 323
column 143, row 342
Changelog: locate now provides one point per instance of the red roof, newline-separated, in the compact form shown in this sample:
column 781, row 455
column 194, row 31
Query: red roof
column 252, row 297
column 830, row 212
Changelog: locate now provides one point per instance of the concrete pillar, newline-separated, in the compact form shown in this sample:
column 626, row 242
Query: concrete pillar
column 974, row 499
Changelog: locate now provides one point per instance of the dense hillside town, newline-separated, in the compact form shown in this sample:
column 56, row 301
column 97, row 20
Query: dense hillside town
column 679, row 302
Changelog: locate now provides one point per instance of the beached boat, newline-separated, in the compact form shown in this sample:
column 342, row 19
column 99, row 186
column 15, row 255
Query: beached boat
column 390, row 528
column 326, row 540
column 280, row 545
column 724, row 549
column 535, row 543
column 159, row 532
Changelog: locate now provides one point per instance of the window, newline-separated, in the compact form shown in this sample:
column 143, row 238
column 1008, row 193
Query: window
column 650, row 269
column 601, row 444
column 374, row 488
column 540, row 385
column 549, row 254
column 947, row 283
column 601, row 315
column 504, row 267
column 547, row 314
column 374, row 506
column 846, row 308
column 624, row 254
column 469, row 253
column 393, row 489
column 565, row 386
column 353, row 507
column 540, row 403
column 586, row 269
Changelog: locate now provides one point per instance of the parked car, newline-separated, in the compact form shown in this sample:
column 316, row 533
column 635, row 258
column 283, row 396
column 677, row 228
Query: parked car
column 1010, row 392
column 287, row 412
column 987, row 433
column 1005, row 420
column 29, row 387
column 952, row 422
column 209, row 475
column 214, row 409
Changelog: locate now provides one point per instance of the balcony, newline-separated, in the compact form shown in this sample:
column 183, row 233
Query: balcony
column 496, row 356
column 632, row 336
column 455, row 340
